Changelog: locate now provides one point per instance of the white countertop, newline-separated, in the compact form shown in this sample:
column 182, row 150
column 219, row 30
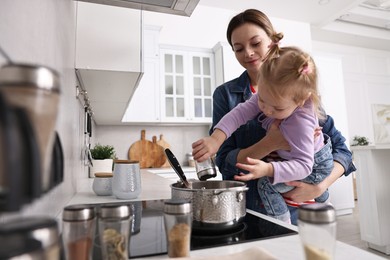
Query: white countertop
column 153, row 187
column 288, row 247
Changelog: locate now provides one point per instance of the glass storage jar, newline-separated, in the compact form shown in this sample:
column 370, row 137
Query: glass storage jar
column 177, row 221
column 78, row 231
column 317, row 230
column 114, row 231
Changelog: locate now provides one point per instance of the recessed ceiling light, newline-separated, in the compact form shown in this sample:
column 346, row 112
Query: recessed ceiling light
column 323, row 2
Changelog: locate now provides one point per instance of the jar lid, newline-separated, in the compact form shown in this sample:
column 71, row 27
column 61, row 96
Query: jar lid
column 114, row 211
column 125, row 161
column 103, row 175
column 78, row 213
column 177, row 206
column 317, row 213
column 30, row 75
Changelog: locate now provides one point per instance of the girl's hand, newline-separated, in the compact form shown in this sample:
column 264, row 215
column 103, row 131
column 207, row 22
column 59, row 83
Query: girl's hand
column 204, row 148
column 256, row 169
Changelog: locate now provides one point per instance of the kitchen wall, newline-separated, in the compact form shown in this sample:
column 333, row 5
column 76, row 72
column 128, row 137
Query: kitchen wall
column 43, row 32
column 366, row 75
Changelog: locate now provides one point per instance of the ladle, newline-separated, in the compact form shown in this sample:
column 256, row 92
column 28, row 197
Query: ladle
column 176, row 166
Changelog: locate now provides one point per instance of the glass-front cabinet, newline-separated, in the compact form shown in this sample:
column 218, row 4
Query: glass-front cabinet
column 188, row 83
column 177, row 85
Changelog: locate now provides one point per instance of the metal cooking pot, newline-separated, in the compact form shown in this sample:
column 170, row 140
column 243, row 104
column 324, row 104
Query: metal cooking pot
column 215, row 204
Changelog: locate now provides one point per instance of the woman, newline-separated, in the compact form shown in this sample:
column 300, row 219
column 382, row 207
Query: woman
column 250, row 35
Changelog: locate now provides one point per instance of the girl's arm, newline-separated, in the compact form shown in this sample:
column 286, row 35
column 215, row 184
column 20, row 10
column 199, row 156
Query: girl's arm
column 208, row 146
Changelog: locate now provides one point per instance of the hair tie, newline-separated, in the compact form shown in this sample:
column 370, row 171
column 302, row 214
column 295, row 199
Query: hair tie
column 305, row 69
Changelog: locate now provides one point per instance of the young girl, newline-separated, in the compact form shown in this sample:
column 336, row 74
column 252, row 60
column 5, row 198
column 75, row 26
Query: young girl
column 287, row 92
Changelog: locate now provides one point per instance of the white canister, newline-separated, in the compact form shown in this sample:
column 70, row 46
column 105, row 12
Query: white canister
column 126, row 181
column 102, row 184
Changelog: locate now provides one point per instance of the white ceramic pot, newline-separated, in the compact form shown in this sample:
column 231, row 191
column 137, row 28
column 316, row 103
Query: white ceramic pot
column 126, row 182
column 102, row 184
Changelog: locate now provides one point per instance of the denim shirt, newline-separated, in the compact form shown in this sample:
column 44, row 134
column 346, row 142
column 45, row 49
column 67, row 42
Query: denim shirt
column 229, row 95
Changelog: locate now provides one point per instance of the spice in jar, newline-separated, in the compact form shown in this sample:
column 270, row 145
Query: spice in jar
column 78, row 231
column 115, row 244
column 178, row 219
column 179, row 240
column 80, row 249
column 114, row 231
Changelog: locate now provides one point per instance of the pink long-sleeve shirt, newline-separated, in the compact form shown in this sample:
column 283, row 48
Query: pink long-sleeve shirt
column 297, row 129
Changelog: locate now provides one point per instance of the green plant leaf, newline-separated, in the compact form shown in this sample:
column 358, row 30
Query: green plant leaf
column 101, row 152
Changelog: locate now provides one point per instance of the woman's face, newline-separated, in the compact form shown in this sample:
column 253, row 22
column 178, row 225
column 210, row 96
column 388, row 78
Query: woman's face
column 250, row 45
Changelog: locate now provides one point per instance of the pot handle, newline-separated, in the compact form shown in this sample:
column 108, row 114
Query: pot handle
column 240, row 195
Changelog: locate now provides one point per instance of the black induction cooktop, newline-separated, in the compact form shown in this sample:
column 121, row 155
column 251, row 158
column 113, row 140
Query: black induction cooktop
column 148, row 236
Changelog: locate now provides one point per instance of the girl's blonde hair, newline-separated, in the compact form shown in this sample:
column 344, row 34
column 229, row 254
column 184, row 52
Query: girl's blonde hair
column 290, row 71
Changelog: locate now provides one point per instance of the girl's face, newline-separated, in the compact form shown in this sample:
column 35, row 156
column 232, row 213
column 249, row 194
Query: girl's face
column 278, row 108
column 250, row 45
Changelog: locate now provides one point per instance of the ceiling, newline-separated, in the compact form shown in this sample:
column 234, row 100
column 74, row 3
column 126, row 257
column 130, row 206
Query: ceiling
column 363, row 23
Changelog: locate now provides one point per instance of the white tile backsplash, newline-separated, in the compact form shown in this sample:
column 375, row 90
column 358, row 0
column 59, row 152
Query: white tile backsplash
column 43, row 32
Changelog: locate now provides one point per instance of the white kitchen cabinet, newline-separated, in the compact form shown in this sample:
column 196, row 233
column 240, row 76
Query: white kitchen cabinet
column 108, row 58
column 188, row 82
column 372, row 183
column 226, row 65
column 144, row 106
column 176, row 87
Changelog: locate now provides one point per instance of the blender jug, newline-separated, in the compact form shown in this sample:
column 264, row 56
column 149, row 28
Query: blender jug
column 34, row 89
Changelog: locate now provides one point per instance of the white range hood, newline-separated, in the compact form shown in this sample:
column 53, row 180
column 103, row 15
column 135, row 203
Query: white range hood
column 178, row 7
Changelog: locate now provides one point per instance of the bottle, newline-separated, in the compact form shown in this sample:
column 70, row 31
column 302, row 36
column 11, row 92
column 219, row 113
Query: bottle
column 78, row 231
column 206, row 169
column 114, row 231
column 178, row 221
column 317, row 230
column 190, row 159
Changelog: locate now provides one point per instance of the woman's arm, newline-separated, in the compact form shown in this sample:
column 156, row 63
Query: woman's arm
column 304, row 192
column 340, row 151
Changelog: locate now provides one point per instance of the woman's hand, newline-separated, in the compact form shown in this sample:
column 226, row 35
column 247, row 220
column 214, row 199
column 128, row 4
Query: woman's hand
column 304, row 191
column 276, row 138
column 256, row 169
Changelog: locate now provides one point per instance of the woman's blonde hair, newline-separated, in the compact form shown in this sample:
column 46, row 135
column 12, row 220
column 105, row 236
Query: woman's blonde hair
column 290, row 71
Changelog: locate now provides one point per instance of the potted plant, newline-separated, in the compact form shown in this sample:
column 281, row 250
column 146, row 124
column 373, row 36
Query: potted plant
column 360, row 141
column 102, row 159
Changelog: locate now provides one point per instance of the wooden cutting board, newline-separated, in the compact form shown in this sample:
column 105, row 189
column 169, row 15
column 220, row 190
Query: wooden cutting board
column 149, row 154
column 164, row 145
